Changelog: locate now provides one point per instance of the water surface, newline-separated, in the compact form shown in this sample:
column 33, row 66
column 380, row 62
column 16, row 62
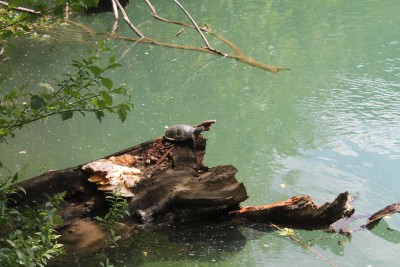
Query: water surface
column 330, row 124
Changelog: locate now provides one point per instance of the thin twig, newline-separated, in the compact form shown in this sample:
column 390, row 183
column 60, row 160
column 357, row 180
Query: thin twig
column 116, row 17
column 194, row 23
column 198, row 29
column 126, row 18
column 66, row 11
column 237, row 56
column 115, row 9
column 293, row 238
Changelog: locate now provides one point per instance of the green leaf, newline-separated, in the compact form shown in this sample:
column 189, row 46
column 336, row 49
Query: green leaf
column 107, row 98
column 4, row 131
column 106, row 82
column 17, row 3
column 111, row 60
column 114, row 66
column 10, row 95
column 6, row 33
column 37, row 102
column 99, row 115
column 122, row 113
column 25, row 28
column 96, row 70
column 67, row 115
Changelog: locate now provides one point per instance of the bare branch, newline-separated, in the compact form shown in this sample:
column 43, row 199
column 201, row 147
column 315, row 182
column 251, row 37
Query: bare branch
column 66, row 11
column 115, row 9
column 116, row 17
column 126, row 18
column 194, row 23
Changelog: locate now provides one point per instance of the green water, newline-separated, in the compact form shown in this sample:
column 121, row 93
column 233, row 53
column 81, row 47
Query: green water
column 330, row 124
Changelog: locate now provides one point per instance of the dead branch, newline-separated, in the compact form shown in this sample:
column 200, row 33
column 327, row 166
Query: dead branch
column 198, row 29
column 237, row 53
column 127, row 20
column 116, row 17
column 377, row 216
column 66, row 11
column 23, row 9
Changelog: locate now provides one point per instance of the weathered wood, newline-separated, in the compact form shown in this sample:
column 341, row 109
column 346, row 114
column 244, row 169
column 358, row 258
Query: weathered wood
column 172, row 184
column 299, row 212
column 377, row 216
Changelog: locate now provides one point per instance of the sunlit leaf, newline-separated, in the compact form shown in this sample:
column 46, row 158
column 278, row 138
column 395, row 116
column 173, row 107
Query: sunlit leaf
column 286, row 232
column 4, row 131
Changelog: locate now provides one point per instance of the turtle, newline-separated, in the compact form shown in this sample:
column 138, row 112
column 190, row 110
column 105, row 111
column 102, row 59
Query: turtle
column 183, row 133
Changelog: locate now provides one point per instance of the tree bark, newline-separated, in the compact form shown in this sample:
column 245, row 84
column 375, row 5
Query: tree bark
column 174, row 186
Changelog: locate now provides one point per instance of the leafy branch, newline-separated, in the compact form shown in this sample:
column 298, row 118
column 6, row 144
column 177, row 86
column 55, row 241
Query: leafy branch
column 118, row 209
column 27, row 238
column 86, row 90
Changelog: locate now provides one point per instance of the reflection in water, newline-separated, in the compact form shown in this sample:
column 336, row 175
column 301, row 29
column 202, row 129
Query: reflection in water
column 383, row 230
column 202, row 243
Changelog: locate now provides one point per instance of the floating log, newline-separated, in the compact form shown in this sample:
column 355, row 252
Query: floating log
column 377, row 216
column 166, row 181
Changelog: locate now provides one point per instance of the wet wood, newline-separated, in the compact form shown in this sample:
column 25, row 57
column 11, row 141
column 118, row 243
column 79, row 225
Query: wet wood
column 299, row 212
column 377, row 216
column 172, row 185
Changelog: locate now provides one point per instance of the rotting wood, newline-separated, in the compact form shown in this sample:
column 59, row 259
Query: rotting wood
column 174, row 185
column 377, row 216
column 299, row 212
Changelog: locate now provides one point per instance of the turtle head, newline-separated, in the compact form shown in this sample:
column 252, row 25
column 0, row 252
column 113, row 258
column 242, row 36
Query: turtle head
column 197, row 131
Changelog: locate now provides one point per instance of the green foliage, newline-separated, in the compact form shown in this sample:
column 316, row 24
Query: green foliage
column 27, row 238
column 13, row 23
column 118, row 209
column 85, row 90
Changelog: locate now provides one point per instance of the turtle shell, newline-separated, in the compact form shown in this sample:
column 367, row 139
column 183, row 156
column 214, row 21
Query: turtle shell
column 180, row 132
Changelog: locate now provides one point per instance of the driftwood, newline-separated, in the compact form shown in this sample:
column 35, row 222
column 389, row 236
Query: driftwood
column 175, row 186
column 170, row 184
column 377, row 216
column 300, row 212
